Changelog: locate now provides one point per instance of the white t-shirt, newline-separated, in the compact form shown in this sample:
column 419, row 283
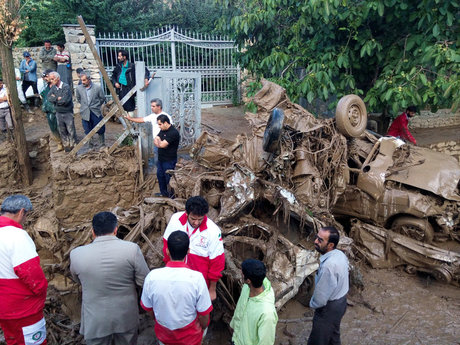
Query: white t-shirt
column 152, row 118
column 176, row 294
column 3, row 104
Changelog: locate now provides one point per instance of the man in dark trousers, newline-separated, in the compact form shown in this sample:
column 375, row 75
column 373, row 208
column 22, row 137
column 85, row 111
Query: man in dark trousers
column 167, row 142
column 48, row 109
column 331, row 287
column 91, row 98
column 60, row 96
column 124, row 79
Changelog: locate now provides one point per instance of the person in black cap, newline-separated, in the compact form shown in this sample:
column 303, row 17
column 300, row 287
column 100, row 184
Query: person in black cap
column 28, row 69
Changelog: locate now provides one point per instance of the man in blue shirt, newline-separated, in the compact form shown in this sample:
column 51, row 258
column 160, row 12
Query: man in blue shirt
column 28, row 69
column 331, row 287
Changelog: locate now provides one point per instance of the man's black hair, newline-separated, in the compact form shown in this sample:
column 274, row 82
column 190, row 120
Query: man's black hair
column 104, row 223
column 334, row 235
column 197, row 205
column 412, row 108
column 47, row 41
column 60, row 44
column 255, row 271
column 163, row 119
column 178, row 243
column 124, row 53
column 1, row 80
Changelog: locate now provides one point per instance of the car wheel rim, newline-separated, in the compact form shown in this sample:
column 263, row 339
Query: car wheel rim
column 413, row 232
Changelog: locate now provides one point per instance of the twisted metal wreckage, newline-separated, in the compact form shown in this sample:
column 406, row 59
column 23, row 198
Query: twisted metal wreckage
column 270, row 192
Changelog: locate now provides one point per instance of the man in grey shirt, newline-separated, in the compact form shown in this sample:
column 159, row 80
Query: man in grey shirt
column 331, row 287
column 109, row 270
column 91, row 98
column 46, row 56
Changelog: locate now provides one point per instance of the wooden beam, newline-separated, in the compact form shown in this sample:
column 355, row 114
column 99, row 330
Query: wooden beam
column 112, row 112
column 93, row 131
column 100, row 65
column 119, row 140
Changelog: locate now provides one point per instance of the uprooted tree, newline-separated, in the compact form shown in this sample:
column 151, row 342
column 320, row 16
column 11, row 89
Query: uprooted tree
column 10, row 28
column 393, row 52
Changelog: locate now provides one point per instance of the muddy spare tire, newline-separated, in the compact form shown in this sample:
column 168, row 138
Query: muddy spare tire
column 351, row 116
column 273, row 131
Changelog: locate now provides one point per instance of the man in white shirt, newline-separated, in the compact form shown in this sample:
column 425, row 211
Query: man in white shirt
column 331, row 287
column 5, row 115
column 177, row 297
column 157, row 109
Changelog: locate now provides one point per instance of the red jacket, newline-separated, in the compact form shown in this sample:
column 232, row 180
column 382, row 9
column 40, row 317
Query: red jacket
column 206, row 246
column 399, row 128
column 22, row 281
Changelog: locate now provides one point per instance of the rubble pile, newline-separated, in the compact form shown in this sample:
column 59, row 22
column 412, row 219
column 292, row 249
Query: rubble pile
column 387, row 249
column 269, row 193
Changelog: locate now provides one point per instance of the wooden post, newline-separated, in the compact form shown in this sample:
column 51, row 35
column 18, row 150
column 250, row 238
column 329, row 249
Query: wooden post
column 25, row 169
column 100, row 65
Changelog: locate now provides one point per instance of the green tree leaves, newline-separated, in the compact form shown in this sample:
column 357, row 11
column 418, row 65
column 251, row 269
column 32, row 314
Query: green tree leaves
column 393, row 52
column 45, row 17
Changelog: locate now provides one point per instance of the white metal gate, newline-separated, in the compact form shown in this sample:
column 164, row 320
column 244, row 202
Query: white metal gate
column 173, row 49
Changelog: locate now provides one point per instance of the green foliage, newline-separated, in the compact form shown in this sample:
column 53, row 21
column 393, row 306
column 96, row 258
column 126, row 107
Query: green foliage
column 45, row 17
column 392, row 52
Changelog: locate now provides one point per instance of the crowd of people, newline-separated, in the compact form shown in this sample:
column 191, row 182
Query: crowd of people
column 116, row 279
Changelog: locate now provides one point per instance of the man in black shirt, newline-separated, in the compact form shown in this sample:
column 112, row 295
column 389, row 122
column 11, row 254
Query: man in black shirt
column 167, row 142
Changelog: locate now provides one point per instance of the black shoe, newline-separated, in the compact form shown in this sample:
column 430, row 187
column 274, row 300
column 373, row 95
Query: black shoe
column 158, row 195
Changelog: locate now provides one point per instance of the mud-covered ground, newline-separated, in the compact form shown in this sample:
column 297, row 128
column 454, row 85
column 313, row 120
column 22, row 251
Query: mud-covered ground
column 391, row 307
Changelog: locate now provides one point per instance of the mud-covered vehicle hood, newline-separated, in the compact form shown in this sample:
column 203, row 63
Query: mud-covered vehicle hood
column 436, row 172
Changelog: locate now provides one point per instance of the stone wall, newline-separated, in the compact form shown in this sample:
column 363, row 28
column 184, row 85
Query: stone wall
column 80, row 52
column 34, row 52
column 92, row 183
column 451, row 148
column 442, row 118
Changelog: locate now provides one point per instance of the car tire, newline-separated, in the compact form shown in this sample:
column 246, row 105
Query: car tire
column 351, row 116
column 442, row 275
column 273, row 131
column 413, row 227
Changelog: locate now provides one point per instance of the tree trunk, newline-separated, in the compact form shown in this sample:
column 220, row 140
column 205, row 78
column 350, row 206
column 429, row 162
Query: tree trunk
column 9, row 79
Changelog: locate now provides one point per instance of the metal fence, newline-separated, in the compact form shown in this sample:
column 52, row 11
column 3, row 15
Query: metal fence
column 173, row 49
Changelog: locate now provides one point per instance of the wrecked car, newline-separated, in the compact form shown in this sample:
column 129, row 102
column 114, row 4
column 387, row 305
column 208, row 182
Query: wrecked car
column 412, row 190
column 387, row 249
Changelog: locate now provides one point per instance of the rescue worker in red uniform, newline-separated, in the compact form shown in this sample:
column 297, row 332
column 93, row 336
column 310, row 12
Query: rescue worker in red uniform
column 22, row 281
column 206, row 247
